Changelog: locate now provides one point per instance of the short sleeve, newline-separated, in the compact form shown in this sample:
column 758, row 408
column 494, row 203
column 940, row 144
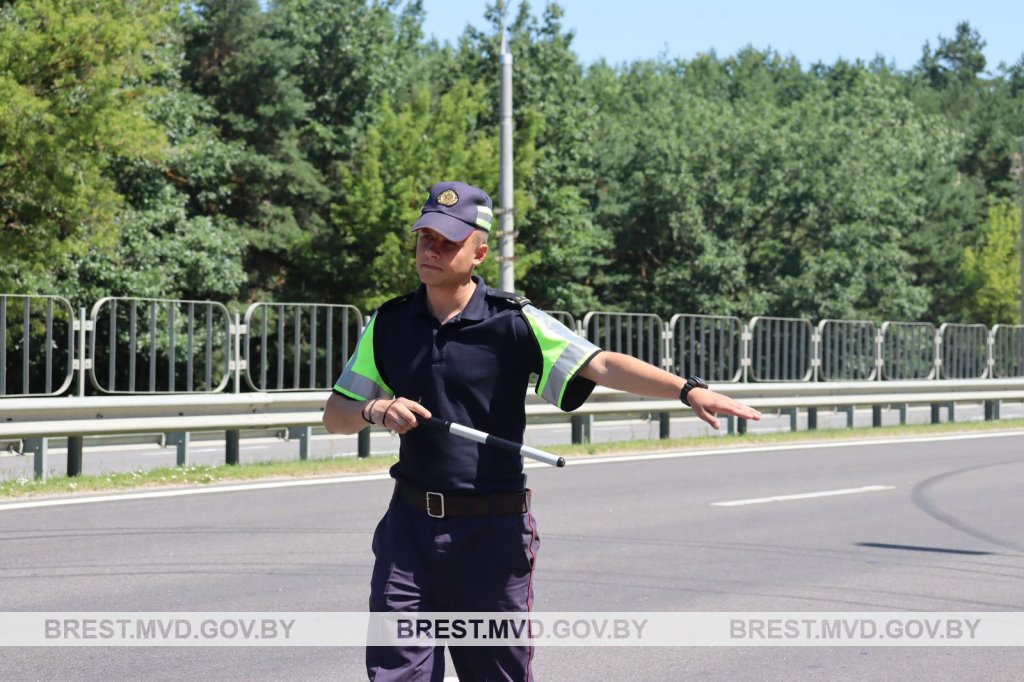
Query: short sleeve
column 361, row 380
column 563, row 354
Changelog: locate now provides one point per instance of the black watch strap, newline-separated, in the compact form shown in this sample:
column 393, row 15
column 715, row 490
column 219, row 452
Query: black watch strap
column 691, row 383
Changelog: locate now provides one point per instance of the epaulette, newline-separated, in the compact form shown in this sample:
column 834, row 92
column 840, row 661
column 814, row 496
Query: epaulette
column 397, row 300
column 514, row 299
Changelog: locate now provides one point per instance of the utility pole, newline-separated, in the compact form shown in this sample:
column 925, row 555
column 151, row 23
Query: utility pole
column 506, row 229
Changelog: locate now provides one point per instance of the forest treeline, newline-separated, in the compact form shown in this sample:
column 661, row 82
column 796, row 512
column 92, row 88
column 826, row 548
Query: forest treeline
column 237, row 151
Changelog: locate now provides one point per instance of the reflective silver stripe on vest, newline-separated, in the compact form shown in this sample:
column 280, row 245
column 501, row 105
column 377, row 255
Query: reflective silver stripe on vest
column 360, row 386
column 565, row 369
column 568, row 363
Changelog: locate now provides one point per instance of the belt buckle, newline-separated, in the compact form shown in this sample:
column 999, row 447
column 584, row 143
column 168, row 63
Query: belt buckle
column 440, row 496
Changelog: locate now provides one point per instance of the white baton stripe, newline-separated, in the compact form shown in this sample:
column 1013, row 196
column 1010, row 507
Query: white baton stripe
column 524, row 450
column 540, row 455
column 466, row 432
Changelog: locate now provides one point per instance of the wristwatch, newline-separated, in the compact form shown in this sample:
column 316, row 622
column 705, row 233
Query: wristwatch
column 691, row 383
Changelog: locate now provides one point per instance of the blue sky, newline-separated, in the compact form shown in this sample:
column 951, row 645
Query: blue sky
column 627, row 30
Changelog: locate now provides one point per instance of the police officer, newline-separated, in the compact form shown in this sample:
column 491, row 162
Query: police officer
column 458, row 534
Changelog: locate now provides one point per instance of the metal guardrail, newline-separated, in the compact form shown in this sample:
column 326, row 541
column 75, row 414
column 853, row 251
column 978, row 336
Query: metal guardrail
column 37, row 345
column 298, row 346
column 782, row 349
column 35, row 420
column 159, row 345
column 710, row 346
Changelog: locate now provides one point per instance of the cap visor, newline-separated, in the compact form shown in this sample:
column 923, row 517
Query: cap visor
column 453, row 229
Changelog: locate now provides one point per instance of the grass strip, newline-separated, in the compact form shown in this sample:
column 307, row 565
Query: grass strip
column 198, row 475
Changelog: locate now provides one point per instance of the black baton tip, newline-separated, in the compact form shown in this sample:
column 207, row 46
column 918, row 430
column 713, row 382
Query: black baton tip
column 560, row 462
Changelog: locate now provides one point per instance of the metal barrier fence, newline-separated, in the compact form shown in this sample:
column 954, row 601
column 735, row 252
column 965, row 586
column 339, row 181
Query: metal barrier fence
column 37, row 345
column 709, row 346
column 298, row 346
column 1007, row 351
column 908, row 350
column 159, row 346
column 782, row 349
column 641, row 335
column 964, row 351
column 139, row 345
column 847, row 350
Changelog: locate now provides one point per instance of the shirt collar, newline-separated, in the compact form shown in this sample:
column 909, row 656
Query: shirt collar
column 476, row 309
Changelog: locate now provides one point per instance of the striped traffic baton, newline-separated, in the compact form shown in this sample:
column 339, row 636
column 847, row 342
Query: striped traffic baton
column 487, row 439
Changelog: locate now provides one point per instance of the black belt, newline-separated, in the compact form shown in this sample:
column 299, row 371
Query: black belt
column 440, row 505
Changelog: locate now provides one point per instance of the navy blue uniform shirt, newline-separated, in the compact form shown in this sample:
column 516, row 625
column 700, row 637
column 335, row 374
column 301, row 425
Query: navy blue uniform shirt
column 473, row 370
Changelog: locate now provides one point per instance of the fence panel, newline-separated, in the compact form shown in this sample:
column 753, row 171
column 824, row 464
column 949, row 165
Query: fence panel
column 964, row 351
column 148, row 345
column 37, row 345
column 298, row 346
column 710, row 346
column 1007, row 351
column 638, row 334
column 781, row 349
column 847, row 350
column 908, row 350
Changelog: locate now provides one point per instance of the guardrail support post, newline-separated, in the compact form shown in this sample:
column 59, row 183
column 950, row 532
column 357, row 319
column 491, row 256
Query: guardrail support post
column 75, row 455
column 902, row 407
column 664, row 425
column 231, row 447
column 182, row 439
column 39, row 447
column 794, row 416
column 364, row 442
column 849, row 416
column 876, row 416
column 935, row 414
column 988, row 410
column 304, row 434
column 730, row 425
column 741, row 425
column 951, row 412
column 812, row 418
column 581, row 428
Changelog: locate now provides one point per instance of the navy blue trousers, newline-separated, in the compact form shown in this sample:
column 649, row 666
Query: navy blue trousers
column 467, row 563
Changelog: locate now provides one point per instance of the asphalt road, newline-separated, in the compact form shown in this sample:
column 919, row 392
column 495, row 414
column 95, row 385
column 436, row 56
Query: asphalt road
column 639, row 535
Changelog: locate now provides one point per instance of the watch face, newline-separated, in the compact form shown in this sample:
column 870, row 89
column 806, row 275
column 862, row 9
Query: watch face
column 696, row 380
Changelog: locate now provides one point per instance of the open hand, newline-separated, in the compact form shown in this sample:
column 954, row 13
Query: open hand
column 708, row 405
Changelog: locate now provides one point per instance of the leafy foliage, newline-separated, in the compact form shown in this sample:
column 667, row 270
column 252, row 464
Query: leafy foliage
column 237, row 149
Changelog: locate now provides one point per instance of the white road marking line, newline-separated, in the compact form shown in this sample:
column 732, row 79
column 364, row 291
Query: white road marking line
column 192, row 491
column 538, row 465
column 804, row 496
column 612, row 459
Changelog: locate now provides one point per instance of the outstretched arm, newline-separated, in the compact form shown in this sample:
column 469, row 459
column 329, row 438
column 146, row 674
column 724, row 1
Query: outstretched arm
column 626, row 373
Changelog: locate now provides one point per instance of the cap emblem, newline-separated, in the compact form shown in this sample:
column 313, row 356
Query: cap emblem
column 448, row 198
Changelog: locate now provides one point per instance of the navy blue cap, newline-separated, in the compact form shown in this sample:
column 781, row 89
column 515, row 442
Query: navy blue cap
column 455, row 209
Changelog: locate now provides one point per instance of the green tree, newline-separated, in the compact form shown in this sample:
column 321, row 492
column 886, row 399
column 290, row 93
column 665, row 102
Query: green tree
column 559, row 250
column 75, row 82
column 993, row 269
column 775, row 195
column 365, row 256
